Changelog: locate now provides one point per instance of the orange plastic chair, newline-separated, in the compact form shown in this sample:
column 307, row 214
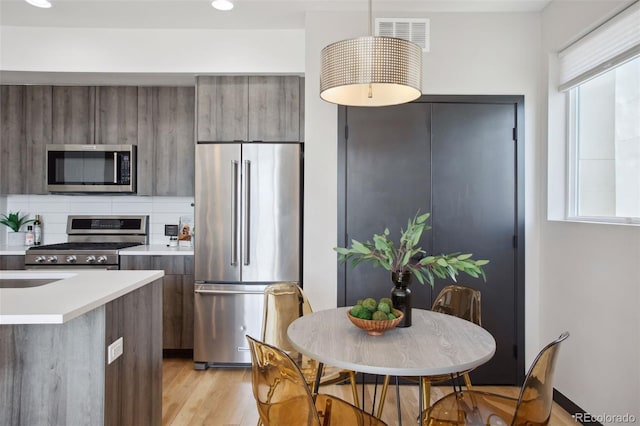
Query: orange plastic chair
column 284, row 398
column 462, row 302
column 284, row 303
column 531, row 408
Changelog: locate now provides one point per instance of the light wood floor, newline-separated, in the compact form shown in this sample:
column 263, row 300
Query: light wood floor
column 223, row 397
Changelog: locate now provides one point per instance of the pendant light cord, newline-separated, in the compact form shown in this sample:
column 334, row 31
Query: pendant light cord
column 370, row 20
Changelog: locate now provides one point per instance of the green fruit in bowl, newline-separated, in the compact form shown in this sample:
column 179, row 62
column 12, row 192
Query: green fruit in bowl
column 384, row 307
column 386, row 300
column 391, row 316
column 379, row 316
column 365, row 314
column 370, row 304
column 356, row 311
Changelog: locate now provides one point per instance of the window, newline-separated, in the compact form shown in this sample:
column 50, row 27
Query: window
column 601, row 77
column 605, row 145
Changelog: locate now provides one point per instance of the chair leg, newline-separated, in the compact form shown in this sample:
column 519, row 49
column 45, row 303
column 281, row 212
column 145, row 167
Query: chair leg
column 383, row 396
column 467, row 381
column 426, row 393
column 354, row 388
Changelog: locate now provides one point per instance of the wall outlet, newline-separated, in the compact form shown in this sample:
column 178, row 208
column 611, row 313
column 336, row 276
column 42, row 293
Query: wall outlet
column 114, row 350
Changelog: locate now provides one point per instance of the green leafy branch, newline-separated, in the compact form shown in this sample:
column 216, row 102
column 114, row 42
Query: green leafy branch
column 408, row 257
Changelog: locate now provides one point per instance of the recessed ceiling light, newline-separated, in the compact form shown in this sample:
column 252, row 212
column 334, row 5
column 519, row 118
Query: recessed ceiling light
column 39, row 3
column 221, row 4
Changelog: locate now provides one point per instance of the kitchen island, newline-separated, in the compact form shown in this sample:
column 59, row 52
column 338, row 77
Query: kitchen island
column 81, row 347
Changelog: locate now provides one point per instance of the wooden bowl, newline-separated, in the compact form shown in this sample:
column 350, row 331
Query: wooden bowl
column 376, row 327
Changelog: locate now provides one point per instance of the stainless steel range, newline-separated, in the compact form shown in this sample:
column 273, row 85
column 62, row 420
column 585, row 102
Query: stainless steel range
column 94, row 242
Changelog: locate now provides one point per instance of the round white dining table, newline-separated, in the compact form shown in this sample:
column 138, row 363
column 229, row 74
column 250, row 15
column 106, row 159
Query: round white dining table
column 434, row 344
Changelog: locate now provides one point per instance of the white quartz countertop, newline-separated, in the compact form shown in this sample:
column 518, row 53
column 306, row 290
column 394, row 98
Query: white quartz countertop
column 156, row 250
column 144, row 250
column 6, row 250
column 71, row 294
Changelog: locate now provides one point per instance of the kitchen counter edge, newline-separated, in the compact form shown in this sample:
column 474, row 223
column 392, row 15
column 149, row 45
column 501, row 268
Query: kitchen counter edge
column 74, row 294
column 144, row 250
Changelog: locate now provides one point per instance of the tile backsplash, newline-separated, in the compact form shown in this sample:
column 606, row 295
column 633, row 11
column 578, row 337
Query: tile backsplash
column 54, row 210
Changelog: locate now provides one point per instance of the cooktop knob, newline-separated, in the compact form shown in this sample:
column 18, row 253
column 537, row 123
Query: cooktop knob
column 102, row 259
column 40, row 259
column 52, row 259
column 71, row 259
column 91, row 259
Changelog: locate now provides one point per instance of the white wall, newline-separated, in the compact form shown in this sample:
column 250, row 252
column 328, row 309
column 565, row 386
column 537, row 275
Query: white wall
column 588, row 272
column 471, row 53
column 100, row 50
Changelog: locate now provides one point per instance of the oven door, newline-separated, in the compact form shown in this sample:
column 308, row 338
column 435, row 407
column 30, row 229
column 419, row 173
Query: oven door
column 91, row 168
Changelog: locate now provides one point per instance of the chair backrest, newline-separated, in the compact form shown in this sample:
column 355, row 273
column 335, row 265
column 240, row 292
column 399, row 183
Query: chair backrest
column 536, row 396
column 280, row 390
column 283, row 303
column 460, row 301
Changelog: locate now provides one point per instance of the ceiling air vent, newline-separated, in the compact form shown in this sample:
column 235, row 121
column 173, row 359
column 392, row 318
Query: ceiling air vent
column 414, row 30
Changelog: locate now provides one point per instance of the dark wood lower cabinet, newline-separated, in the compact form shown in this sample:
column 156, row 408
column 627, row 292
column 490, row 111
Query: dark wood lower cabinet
column 11, row 262
column 177, row 305
column 58, row 374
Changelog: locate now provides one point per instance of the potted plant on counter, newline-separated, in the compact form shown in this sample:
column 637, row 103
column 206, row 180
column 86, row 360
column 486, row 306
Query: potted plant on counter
column 406, row 260
column 15, row 222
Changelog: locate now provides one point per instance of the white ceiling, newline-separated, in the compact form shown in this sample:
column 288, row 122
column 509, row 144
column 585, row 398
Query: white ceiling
column 258, row 14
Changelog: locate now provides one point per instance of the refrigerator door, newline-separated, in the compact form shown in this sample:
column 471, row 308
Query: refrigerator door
column 270, row 244
column 224, row 314
column 217, row 212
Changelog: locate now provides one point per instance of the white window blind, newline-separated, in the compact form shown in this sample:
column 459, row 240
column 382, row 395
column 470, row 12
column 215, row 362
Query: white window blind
column 611, row 44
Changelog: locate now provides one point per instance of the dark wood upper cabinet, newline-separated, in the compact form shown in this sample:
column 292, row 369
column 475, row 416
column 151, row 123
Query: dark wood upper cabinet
column 166, row 141
column 223, row 112
column 25, row 132
column 274, row 109
column 73, row 115
column 116, row 115
column 255, row 108
column 38, row 132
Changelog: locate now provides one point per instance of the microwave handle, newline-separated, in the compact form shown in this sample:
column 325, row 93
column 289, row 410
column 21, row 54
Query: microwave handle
column 115, row 167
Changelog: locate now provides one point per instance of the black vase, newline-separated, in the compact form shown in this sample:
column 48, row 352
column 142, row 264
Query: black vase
column 401, row 296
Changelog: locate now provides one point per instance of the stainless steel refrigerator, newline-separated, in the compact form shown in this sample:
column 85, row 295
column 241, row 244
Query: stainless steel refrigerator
column 247, row 235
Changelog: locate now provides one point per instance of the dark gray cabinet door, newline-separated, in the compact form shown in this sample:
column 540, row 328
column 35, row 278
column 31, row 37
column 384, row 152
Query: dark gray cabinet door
column 387, row 180
column 12, row 140
column 166, row 141
column 73, row 115
column 178, row 296
column 474, row 211
column 25, row 131
column 222, row 108
column 457, row 159
column 11, row 262
column 116, row 115
column 38, row 134
column 274, row 108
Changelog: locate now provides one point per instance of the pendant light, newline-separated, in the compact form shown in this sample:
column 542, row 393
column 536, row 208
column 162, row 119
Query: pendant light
column 371, row 71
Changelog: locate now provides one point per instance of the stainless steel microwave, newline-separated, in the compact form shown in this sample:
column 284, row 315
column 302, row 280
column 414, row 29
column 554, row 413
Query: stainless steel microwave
column 91, row 168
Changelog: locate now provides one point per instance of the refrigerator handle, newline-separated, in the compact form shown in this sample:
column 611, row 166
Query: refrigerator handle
column 247, row 212
column 234, row 213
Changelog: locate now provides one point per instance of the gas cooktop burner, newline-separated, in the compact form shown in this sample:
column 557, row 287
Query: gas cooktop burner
column 85, row 246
